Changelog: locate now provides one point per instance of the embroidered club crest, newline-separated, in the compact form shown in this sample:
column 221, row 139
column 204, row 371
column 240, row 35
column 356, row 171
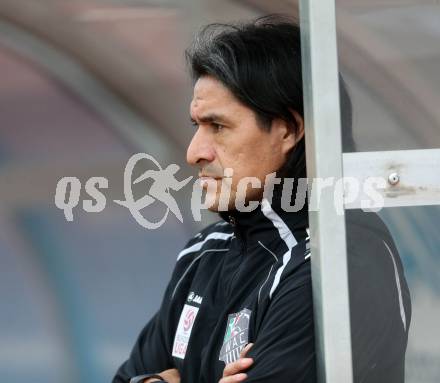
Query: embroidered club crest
column 236, row 336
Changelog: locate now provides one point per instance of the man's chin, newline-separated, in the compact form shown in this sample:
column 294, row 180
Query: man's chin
column 223, row 207
column 218, row 207
column 215, row 208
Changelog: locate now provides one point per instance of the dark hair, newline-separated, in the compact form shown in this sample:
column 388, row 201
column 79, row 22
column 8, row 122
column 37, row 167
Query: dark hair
column 260, row 63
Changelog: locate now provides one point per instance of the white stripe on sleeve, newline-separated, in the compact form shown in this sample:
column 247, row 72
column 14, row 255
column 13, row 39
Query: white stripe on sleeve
column 197, row 246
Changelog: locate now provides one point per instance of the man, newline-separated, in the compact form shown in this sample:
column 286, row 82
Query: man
column 239, row 303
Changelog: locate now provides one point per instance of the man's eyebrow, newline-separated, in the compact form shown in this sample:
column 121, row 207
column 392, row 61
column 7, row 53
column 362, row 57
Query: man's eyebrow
column 213, row 117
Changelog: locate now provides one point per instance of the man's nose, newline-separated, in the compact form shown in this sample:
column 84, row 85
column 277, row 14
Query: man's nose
column 200, row 149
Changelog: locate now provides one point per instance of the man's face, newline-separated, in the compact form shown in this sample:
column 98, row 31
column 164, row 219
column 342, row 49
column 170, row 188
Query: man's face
column 228, row 135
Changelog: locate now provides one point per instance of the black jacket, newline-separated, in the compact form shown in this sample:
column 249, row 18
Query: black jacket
column 248, row 279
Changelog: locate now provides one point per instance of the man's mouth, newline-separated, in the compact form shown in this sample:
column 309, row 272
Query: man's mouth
column 207, row 178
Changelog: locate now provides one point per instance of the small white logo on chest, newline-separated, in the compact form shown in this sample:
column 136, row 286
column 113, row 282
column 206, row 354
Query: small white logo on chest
column 193, row 297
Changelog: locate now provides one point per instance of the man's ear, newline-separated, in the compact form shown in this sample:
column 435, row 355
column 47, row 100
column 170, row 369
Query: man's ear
column 299, row 128
column 291, row 132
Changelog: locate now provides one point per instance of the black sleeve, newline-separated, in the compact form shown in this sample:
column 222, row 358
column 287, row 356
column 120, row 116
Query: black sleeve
column 152, row 351
column 380, row 304
column 284, row 349
column 149, row 354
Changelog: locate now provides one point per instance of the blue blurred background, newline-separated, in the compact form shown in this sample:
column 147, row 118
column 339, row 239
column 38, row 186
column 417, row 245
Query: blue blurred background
column 86, row 84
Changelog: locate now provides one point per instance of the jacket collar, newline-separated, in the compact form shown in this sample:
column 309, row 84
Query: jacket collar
column 261, row 223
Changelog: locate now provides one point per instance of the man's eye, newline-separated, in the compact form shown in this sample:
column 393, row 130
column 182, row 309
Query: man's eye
column 194, row 124
column 217, row 127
